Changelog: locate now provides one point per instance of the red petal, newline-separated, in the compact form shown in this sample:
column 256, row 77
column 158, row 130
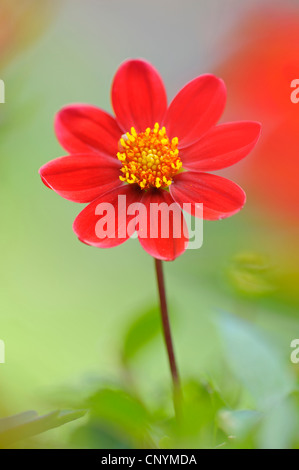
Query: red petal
column 81, row 178
column 222, row 146
column 107, row 226
column 84, row 129
column 220, row 197
column 163, row 236
column 195, row 109
column 138, row 95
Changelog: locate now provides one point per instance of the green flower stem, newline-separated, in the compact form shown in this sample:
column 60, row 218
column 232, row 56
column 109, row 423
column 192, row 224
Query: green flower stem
column 167, row 336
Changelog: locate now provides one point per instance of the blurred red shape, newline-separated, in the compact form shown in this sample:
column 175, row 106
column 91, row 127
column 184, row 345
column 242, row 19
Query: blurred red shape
column 259, row 74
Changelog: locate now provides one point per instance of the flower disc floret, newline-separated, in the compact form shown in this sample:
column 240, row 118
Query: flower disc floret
column 149, row 158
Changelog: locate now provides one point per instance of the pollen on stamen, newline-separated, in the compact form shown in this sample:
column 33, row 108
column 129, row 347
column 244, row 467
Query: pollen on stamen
column 149, row 158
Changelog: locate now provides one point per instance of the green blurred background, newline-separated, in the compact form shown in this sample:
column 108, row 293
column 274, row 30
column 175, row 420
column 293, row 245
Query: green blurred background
column 65, row 307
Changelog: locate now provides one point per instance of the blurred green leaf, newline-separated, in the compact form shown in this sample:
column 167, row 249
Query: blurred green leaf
column 197, row 426
column 254, row 361
column 140, row 333
column 279, row 426
column 28, row 424
column 120, row 412
column 94, row 436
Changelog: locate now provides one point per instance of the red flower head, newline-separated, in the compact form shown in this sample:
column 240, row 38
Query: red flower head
column 142, row 152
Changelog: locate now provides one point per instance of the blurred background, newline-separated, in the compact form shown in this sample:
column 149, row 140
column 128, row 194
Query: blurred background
column 80, row 324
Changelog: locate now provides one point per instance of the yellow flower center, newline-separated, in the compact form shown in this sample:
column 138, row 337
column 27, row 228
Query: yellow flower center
column 149, row 158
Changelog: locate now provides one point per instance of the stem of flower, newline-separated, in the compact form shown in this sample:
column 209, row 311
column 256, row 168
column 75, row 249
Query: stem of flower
column 167, row 336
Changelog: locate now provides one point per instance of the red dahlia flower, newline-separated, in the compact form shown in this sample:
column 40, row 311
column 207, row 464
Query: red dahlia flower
column 142, row 152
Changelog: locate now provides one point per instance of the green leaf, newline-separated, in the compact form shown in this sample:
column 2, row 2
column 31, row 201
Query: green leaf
column 28, row 424
column 140, row 333
column 197, row 426
column 94, row 436
column 255, row 361
column 279, row 427
column 120, row 412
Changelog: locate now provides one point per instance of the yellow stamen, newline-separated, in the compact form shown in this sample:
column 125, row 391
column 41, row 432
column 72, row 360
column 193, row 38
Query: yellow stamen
column 149, row 158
